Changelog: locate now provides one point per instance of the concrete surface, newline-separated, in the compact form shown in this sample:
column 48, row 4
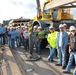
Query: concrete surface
column 8, row 64
column 41, row 67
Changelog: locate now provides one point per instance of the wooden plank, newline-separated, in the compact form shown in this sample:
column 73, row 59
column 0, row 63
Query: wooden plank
column 58, row 3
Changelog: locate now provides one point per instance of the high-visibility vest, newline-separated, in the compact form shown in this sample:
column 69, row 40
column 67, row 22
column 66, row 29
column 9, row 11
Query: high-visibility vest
column 51, row 38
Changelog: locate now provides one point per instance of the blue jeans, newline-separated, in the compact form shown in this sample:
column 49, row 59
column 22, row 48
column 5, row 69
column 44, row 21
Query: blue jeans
column 71, row 57
column 18, row 41
column 38, row 47
column 26, row 44
column 0, row 40
column 3, row 39
column 9, row 41
column 22, row 41
column 74, row 73
column 52, row 51
column 61, row 56
column 12, row 43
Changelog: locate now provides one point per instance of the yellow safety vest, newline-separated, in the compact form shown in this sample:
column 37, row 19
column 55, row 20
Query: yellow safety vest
column 51, row 38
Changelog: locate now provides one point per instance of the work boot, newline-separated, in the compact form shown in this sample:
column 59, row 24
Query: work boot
column 67, row 72
column 58, row 64
column 63, row 67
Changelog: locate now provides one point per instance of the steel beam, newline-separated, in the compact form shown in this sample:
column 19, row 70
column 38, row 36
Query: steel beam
column 58, row 3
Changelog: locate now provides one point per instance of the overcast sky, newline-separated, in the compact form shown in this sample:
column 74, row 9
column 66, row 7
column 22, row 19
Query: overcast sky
column 10, row 9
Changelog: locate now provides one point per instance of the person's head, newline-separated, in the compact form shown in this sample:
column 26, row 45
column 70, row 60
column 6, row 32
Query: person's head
column 72, row 29
column 65, row 26
column 75, row 25
column 26, row 28
column 0, row 24
column 39, row 28
column 51, row 28
column 8, row 28
column 23, row 27
column 13, row 28
column 35, row 28
column 17, row 28
column 61, row 27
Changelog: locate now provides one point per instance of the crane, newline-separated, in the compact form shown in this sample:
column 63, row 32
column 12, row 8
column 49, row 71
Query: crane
column 53, row 12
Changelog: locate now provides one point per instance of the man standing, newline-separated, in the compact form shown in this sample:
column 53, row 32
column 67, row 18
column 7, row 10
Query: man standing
column 62, row 42
column 72, row 50
column 2, row 34
column 51, row 38
column 38, row 41
column 65, row 26
column 26, row 38
column 18, row 36
column 12, row 32
column 35, row 28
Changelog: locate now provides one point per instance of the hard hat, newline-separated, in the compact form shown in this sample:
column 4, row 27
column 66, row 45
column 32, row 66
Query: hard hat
column 26, row 27
column 17, row 27
column 22, row 26
column 61, row 25
column 65, row 24
column 51, row 27
column 5, row 26
column 35, row 26
column 39, row 27
column 72, row 28
column 14, row 28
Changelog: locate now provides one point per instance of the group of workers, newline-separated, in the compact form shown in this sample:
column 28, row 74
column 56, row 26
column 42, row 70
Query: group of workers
column 18, row 36
column 60, row 40
column 56, row 40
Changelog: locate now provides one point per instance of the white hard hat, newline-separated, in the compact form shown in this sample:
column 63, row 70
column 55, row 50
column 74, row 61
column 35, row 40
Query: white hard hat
column 14, row 27
column 22, row 26
column 72, row 28
column 17, row 27
column 26, row 27
column 5, row 25
column 35, row 26
column 39, row 27
column 51, row 27
column 65, row 24
column 61, row 25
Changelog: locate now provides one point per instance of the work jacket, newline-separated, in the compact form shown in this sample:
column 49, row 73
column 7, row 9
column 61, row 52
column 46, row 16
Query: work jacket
column 18, row 33
column 72, row 43
column 13, row 34
column 64, row 39
column 51, row 38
